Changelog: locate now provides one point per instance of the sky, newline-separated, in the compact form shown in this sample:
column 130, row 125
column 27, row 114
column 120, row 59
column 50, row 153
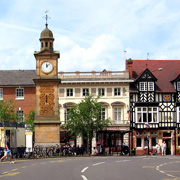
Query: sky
column 91, row 35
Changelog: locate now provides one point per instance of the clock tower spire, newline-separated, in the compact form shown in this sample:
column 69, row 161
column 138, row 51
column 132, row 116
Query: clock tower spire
column 47, row 121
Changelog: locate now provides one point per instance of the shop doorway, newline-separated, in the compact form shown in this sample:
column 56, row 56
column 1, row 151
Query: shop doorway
column 168, row 144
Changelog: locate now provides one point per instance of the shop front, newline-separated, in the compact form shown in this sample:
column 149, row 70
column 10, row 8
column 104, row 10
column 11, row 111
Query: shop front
column 111, row 141
column 147, row 139
column 66, row 138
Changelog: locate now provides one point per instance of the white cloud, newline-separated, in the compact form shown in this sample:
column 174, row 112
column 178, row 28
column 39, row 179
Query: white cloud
column 91, row 35
column 94, row 57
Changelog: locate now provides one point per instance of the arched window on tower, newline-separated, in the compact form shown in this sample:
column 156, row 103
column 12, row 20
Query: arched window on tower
column 46, row 44
column 42, row 44
column 50, row 44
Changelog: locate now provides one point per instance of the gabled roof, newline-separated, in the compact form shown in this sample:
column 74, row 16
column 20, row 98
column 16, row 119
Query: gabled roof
column 176, row 79
column 147, row 71
column 170, row 71
column 17, row 77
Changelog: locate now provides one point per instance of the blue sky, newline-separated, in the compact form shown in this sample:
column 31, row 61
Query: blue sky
column 91, row 35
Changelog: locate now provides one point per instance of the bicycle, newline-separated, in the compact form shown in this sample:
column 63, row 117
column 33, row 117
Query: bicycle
column 49, row 151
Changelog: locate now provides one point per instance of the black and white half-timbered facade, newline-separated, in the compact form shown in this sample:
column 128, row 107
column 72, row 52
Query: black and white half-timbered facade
column 154, row 104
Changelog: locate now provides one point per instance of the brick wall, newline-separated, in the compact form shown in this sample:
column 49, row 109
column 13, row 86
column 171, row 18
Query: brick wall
column 26, row 104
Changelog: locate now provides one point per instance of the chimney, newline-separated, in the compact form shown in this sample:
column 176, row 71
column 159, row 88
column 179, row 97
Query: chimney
column 129, row 67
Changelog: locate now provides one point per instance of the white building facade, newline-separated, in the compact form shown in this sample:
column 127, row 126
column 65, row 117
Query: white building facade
column 114, row 90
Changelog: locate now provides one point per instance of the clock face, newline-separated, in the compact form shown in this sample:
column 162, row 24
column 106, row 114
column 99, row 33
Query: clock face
column 47, row 67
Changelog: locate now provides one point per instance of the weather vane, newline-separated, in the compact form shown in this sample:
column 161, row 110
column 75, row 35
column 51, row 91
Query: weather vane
column 47, row 17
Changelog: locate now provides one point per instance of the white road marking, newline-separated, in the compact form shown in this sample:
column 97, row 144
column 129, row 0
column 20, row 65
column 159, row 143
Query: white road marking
column 123, row 161
column 84, row 169
column 170, row 175
column 163, row 172
column 98, row 163
column 84, row 177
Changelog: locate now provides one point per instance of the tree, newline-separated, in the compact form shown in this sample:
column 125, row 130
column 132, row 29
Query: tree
column 8, row 114
column 84, row 119
column 30, row 120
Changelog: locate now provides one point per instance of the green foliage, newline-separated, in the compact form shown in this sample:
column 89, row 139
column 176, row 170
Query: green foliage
column 30, row 120
column 84, row 118
column 7, row 112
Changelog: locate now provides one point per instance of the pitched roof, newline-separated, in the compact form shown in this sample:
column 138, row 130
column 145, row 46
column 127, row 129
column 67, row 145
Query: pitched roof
column 170, row 71
column 17, row 77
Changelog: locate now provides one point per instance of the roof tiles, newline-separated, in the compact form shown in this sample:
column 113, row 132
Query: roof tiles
column 170, row 70
column 17, row 77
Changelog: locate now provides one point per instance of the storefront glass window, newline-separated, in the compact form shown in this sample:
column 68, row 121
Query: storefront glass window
column 138, row 142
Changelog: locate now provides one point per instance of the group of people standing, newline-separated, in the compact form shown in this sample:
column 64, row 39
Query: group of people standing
column 160, row 149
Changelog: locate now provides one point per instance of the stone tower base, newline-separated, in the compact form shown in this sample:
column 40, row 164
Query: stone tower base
column 47, row 134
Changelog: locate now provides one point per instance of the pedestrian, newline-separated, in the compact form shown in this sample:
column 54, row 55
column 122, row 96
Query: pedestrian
column 164, row 148
column 156, row 149
column 82, row 150
column 98, row 147
column 7, row 150
column 77, row 150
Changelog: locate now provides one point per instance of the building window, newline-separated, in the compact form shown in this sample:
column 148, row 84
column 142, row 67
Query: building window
column 69, row 92
column 178, row 114
column 178, row 86
column 117, row 91
column 20, row 93
column 103, row 113
column 101, row 92
column 147, row 115
column 117, row 115
column 20, row 116
column 85, row 92
column 138, row 142
column 1, row 94
column 66, row 115
column 143, row 86
column 178, row 141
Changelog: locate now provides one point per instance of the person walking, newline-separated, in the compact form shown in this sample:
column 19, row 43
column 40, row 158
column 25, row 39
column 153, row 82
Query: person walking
column 164, row 148
column 8, row 150
column 156, row 149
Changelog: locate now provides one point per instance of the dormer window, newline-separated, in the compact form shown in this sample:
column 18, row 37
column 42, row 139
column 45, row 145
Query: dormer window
column 178, row 86
column 144, row 85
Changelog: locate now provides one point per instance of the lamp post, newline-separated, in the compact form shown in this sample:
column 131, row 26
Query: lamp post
column 148, row 134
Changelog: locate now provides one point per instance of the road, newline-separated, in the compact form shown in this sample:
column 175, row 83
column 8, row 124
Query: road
column 94, row 168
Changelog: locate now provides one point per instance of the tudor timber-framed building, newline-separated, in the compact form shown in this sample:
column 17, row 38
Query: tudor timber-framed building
column 154, row 104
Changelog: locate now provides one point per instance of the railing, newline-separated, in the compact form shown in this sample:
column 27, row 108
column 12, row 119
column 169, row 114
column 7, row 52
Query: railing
column 94, row 74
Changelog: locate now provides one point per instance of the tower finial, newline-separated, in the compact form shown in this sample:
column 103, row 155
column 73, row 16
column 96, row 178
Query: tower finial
column 47, row 17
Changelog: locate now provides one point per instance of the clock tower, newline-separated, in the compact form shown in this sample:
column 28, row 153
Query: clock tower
column 47, row 121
